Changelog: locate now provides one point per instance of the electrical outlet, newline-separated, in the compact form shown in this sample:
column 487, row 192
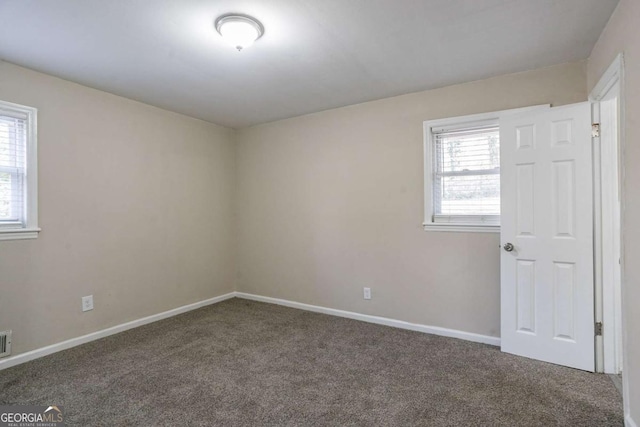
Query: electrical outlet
column 87, row 303
column 367, row 293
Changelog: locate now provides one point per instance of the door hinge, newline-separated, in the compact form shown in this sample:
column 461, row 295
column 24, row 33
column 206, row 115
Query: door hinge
column 598, row 329
column 595, row 130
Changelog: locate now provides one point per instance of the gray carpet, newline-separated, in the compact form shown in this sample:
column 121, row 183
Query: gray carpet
column 242, row 363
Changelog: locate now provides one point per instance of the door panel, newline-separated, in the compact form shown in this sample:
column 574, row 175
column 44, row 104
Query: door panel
column 547, row 215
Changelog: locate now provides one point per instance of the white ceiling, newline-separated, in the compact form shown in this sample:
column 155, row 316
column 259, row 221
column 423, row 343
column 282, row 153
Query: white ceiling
column 315, row 54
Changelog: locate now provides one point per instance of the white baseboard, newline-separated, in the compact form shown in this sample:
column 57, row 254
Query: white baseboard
column 73, row 342
column 435, row 330
column 628, row 421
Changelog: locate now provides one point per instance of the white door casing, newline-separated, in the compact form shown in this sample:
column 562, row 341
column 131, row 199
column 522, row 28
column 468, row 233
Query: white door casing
column 607, row 238
column 547, row 296
column 607, row 107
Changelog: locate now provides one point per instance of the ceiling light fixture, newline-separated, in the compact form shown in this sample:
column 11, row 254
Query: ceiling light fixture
column 239, row 30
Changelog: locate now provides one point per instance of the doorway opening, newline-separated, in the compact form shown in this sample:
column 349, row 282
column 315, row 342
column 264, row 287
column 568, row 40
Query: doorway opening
column 608, row 146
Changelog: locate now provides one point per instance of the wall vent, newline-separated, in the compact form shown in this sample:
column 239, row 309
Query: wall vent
column 5, row 343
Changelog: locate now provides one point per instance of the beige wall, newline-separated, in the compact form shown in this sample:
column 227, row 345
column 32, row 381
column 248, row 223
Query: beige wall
column 331, row 202
column 136, row 208
column 622, row 35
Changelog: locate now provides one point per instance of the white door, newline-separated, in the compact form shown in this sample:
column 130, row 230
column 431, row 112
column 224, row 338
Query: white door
column 547, row 236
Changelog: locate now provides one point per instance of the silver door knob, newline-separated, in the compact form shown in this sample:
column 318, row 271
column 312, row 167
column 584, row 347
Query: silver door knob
column 508, row 247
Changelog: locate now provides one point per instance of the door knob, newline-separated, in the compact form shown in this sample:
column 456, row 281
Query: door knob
column 508, row 247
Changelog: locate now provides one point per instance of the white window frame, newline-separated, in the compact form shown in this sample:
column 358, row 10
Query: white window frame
column 29, row 228
column 458, row 223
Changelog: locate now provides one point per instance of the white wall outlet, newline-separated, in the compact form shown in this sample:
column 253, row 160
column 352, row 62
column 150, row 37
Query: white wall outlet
column 367, row 293
column 87, row 303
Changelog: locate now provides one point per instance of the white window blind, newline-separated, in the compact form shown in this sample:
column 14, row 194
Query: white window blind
column 13, row 168
column 466, row 174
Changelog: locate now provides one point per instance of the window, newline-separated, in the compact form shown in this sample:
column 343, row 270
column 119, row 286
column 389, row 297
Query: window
column 462, row 174
column 466, row 174
column 18, row 172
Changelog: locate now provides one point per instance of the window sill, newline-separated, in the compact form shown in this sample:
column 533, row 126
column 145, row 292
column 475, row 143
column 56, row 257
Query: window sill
column 18, row 233
column 461, row 228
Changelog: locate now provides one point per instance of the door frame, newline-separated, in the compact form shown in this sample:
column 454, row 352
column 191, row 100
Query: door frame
column 608, row 309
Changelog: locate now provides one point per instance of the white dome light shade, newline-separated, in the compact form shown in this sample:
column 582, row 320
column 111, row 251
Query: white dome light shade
column 240, row 31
